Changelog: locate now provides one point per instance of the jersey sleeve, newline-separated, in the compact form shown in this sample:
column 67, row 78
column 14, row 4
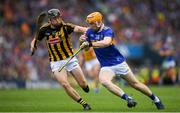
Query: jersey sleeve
column 70, row 28
column 109, row 33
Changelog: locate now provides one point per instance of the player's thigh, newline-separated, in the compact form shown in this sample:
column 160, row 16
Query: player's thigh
column 96, row 68
column 61, row 77
column 106, row 75
column 130, row 78
column 95, row 71
column 78, row 75
column 74, row 69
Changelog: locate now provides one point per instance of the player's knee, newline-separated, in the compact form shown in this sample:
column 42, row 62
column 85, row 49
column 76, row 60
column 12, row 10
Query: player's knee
column 104, row 82
column 101, row 79
column 65, row 85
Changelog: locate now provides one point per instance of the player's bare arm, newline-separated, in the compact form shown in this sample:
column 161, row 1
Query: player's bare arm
column 98, row 44
column 103, row 43
column 167, row 52
column 80, row 29
column 33, row 45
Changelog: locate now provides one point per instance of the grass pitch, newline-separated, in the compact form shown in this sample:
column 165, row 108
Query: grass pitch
column 56, row 100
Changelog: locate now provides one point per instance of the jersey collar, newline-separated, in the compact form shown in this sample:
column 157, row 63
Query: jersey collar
column 102, row 27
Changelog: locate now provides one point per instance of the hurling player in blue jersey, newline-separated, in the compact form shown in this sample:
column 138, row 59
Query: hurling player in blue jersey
column 100, row 37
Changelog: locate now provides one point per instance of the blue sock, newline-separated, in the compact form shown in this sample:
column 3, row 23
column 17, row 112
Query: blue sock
column 125, row 96
column 152, row 97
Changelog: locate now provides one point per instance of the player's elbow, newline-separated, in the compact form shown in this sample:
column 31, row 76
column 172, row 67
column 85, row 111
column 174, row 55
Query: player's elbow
column 107, row 43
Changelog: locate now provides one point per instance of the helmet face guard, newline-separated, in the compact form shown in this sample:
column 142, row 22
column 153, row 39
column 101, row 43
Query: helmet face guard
column 52, row 13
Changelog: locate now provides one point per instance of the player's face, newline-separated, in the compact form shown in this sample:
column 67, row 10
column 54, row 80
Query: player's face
column 56, row 21
column 95, row 26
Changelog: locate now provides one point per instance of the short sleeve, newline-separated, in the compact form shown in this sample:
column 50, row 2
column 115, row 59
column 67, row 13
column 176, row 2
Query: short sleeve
column 109, row 33
column 69, row 27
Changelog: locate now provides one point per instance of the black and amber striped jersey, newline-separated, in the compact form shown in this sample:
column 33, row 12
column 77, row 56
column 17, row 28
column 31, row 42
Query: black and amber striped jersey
column 58, row 40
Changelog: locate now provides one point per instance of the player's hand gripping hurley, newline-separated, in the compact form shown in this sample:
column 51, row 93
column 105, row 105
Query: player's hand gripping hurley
column 40, row 20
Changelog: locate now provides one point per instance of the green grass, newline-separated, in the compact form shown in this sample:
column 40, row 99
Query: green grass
column 56, row 100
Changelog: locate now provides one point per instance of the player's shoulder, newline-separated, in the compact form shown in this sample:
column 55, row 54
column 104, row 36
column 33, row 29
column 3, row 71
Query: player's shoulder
column 107, row 28
column 89, row 30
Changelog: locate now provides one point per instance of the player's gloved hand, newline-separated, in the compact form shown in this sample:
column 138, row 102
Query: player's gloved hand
column 85, row 45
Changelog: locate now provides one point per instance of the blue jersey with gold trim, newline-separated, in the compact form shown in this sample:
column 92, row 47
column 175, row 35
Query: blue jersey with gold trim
column 107, row 56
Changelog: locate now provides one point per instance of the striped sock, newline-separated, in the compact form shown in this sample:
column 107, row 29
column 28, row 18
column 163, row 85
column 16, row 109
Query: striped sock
column 82, row 102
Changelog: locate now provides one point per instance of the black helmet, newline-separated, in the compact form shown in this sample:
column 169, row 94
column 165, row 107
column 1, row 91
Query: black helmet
column 53, row 13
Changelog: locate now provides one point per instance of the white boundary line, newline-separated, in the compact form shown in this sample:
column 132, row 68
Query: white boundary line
column 91, row 112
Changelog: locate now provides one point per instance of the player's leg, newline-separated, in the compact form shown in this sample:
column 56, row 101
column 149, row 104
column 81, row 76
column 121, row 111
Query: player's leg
column 105, row 77
column 74, row 69
column 95, row 75
column 131, row 79
column 79, row 77
column 92, row 68
column 171, row 74
column 62, row 79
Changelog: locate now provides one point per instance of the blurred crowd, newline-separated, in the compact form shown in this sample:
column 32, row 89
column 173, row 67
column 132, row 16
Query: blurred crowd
column 151, row 24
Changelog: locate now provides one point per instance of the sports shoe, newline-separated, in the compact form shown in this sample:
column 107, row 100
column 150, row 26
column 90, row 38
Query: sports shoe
column 159, row 105
column 87, row 107
column 131, row 103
